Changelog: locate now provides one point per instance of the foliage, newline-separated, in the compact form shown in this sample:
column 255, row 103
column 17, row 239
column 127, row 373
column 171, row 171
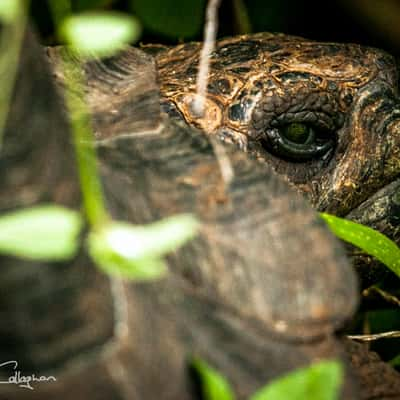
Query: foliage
column 10, row 10
column 46, row 232
column 214, row 385
column 50, row 232
column 98, row 33
column 395, row 362
column 371, row 241
column 320, row 381
column 118, row 248
column 135, row 251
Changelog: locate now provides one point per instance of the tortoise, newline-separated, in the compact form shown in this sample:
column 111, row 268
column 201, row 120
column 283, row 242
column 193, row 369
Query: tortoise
column 261, row 291
column 323, row 115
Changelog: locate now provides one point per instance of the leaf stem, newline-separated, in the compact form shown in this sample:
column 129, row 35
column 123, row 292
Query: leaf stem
column 83, row 141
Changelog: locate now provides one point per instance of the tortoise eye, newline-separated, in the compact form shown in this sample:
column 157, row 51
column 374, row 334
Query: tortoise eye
column 298, row 133
column 298, row 141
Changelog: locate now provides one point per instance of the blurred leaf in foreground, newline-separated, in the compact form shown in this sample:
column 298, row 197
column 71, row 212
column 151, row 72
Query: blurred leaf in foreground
column 10, row 10
column 214, row 386
column 47, row 232
column 135, row 251
column 371, row 241
column 99, row 34
column 320, row 381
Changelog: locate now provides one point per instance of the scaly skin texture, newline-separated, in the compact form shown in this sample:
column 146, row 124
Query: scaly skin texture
column 261, row 83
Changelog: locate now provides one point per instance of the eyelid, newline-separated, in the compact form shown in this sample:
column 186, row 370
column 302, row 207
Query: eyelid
column 317, row 119
column 297, row 152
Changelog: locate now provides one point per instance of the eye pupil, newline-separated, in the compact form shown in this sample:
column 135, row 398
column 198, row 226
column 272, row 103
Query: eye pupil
column 298, row 133
column 298, row 141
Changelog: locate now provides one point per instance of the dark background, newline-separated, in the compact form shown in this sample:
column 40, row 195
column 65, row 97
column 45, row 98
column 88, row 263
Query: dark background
column 370, row 22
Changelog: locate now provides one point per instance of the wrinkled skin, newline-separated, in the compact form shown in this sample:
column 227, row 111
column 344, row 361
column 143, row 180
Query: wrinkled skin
column 347, row 94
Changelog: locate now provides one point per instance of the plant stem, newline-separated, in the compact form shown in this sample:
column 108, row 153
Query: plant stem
column 82, row 133
column 210, row 33
column 90, row 182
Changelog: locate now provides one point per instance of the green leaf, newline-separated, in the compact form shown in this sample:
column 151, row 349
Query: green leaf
column 371, row 241
column 114, row 264
column 99, row 34
column 10, row 10
column 60, row 9
column 134, row 251
column 214, row 385
column 174, row 18
column 48, row 233
column 395, row 362
column 320, row 381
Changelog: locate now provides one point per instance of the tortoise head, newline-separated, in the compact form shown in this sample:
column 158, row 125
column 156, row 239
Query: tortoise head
column 324, row 115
